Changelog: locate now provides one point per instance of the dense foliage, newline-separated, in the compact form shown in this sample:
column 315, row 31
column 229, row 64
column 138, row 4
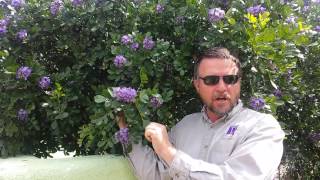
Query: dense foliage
column 70, row 69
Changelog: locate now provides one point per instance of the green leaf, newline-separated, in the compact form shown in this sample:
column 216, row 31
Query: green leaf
column 143, row 77
column 143, row 97
column 54, row 125
column 232, row 21
column 107, row 103
column 99, row 98
column 191, row 2
column 101, row 143
column 62, row 115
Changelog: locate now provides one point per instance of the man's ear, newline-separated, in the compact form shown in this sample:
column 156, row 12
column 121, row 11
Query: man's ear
column 196, row 84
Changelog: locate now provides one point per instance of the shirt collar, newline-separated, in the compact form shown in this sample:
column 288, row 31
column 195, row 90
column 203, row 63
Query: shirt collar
column 226, row 117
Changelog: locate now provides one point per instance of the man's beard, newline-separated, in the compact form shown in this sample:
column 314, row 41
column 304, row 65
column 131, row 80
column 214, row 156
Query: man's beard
column 219, row 112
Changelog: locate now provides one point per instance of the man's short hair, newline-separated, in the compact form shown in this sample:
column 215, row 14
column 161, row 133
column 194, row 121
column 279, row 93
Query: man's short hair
column 216, row 53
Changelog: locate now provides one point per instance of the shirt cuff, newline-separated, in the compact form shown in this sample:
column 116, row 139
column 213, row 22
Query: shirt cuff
column 178, row 168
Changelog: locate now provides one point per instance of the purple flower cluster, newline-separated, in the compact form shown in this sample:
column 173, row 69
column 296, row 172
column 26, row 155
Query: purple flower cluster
column 44, row 82
column 277, row 93
column 3, row 26
column 134, row 46
column 291, row 19
column 180, row 19
column 305, row 8
column 316, row 1
column 317, row 28
column 76, row 2
column 148, row 43
column 159, row 8
column 3, row 4
column 315, row 137
column 56, row 6
column 122, row 136
column 125, row 94
column 156, row 101
column 17, row 3
column 256, row 10
column 119, row 61
column 4, row 22
column 22, row 115
column 22, row 34
column 126, row 39
column 215, row 14
column 289, row 75
column 23, row 72
column 257, row 103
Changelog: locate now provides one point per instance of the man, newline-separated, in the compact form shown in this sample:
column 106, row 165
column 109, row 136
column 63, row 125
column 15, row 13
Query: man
column 223, row 141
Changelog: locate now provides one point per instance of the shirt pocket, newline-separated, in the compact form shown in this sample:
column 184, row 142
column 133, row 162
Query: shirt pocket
column 222, row 149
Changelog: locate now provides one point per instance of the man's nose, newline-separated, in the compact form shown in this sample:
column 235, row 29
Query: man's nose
column 221, row 86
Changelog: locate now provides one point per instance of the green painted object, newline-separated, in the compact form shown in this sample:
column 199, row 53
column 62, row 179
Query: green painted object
column 106, row 167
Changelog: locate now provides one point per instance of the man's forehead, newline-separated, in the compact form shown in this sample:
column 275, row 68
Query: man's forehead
column 214, row 64
column 225, row 62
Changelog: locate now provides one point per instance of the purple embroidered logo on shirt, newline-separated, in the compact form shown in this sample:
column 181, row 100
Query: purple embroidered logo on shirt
column 231, row 130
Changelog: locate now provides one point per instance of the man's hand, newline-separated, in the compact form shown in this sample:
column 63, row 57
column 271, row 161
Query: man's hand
column 157, row 134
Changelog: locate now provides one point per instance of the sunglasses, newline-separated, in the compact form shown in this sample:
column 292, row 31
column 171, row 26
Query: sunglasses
column 213, row 80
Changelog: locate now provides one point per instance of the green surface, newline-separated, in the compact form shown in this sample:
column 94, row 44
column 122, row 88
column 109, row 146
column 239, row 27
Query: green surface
column 105, row 167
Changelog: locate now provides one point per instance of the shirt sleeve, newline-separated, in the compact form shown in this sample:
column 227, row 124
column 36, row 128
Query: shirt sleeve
column 147, row 164
column 257, row 157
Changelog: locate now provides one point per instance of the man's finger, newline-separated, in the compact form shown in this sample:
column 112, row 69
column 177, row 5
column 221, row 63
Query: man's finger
column 148, row 135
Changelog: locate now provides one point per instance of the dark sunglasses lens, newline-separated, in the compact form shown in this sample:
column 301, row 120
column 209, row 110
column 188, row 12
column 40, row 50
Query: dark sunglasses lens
column 211, row 80
column 230, row 79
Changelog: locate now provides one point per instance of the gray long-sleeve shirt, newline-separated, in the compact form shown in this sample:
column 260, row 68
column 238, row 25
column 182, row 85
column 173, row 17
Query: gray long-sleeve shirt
column 245, row 144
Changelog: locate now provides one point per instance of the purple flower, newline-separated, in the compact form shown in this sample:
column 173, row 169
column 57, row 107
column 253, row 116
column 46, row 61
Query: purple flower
column 255, row 10
column 3, row 4
column 306, row 8
column 23, row 72
column 277, row 93
column 156, row 101
column 56, row 6
column 316, row 1
column 3, row 26
column 257, row 103
column 148, row 43
column 159, row 8
column 122, row 135
column 22, row 34
column 317, row 28
column 180, row 19
column 44, row 82
column 125, row 94
column 76, row 2
column 4, row 22
column 215, row 14
column 3, row 30
column 126, row 39
column 17, row 3
column 119, row 61
column 315, row 137
column 134, row 46
column 22, row 115
column 289, row 75
column 291, row 19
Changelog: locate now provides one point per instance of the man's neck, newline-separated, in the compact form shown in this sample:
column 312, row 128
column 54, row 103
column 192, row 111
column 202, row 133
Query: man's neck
column 212, row 116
